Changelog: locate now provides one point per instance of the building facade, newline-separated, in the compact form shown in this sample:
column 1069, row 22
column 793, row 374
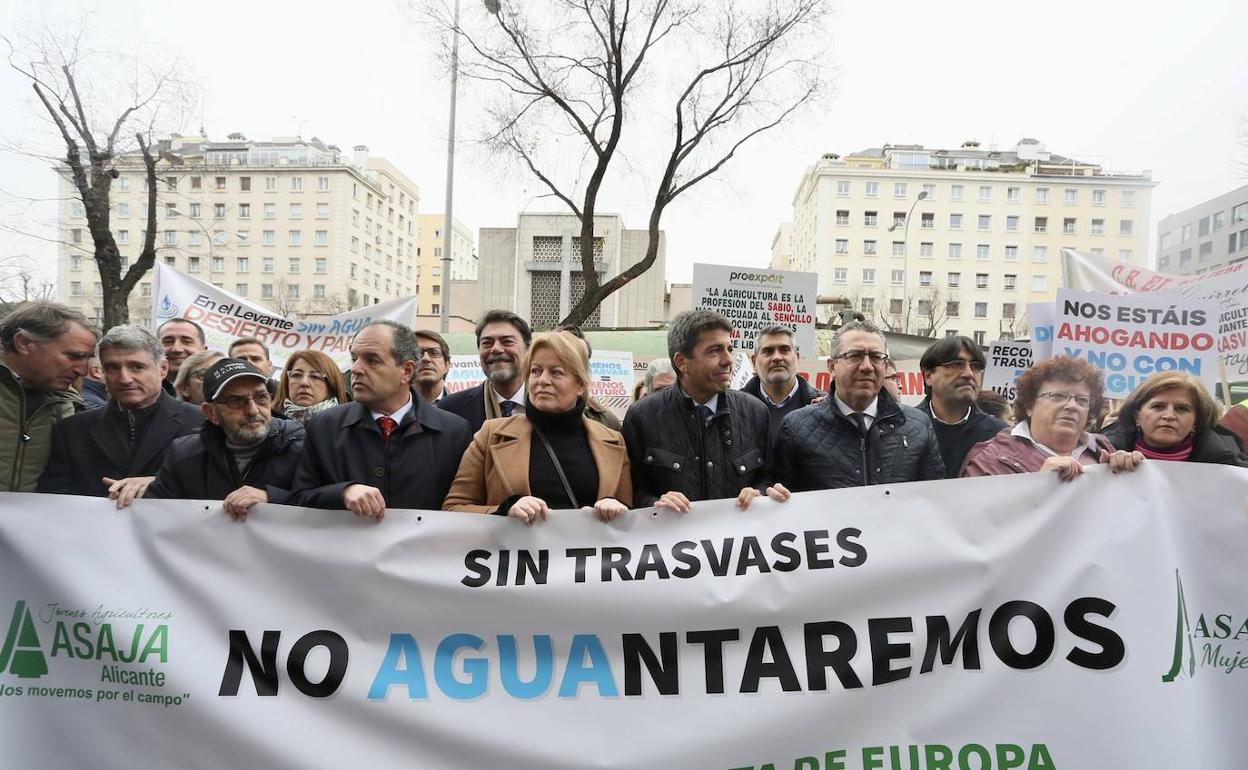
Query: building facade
column 534, row 269
column 1205, row 237
column 294, row 225
column 429, row 258
column 935, row 242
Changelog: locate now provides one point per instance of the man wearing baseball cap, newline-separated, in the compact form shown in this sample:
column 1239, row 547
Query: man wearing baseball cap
column 242, row 455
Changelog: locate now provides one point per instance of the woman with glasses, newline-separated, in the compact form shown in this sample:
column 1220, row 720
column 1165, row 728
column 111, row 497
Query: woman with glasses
column 310, row 384
column 1055, row 402
column 1171, row 416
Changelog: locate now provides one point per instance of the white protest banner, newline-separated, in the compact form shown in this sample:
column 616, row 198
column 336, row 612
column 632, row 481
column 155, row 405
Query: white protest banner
column 226, row 317
column 753, row 299
column 1130, row 336
column 1003, row 622
column 464, row 372
column 611, row 375
column 1227, row 287
column 1007, row 360
column 1040, row 319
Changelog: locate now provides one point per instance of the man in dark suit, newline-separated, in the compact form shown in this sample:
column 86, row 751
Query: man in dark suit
column 502, row 339
column 388, row 448
column 116, row 450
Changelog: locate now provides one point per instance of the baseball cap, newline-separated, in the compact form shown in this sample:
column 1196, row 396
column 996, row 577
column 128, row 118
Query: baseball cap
column 224, row 372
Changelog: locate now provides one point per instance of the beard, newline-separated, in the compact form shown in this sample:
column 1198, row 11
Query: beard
column 248, row 434
column 502, row 373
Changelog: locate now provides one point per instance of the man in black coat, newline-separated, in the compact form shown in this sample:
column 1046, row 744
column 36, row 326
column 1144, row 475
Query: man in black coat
column 775, row 381
column 859, row 435
column 699, row 440
column 388, row 448
column 502, row 340
column 116, row 450
column 242, row 455
column 953, row 370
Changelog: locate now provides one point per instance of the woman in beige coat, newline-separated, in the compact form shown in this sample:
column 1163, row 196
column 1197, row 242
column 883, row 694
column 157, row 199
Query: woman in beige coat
column 551, row 457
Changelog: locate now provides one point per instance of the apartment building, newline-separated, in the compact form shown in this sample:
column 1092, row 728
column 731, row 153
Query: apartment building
column 429, row 260
column 1205, row 237
column 295, row 225
column 936, row 241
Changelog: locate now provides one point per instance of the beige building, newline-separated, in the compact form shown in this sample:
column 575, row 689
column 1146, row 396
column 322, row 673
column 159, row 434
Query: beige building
column 429, row 260
column 294, row 225
column 534, row 269
column 936, row 242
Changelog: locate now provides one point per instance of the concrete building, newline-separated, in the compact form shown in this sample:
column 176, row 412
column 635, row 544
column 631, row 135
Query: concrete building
column 782, row 247
column 429, row 260
column 295, row 225
column 534, row 269
column 984, row 238
column 1205, row 237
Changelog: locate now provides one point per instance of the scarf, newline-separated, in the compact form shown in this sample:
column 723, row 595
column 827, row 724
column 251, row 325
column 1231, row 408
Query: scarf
column 303, row 413
column 1179, row 452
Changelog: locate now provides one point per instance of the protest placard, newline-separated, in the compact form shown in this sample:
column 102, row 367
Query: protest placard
column 1007, row 360
column 753, row 299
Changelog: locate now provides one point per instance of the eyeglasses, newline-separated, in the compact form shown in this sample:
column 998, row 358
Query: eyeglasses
column 299, row 376
column 1058, row 398
column 856, row 357
column 434, row 353
column 958, row 364
column 238, row 403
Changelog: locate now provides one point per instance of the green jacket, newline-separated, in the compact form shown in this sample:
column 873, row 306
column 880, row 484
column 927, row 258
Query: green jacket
column 26, row 444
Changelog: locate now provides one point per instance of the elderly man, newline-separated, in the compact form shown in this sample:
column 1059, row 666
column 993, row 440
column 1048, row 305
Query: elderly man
column 859, row 435
column 775, row 381
column 116, row 450
column 388, row 448
column 698, row 440
column 502, row 339
column 659, row 375
column 242, row 455
column 953, row 370
column 44, row 349
column 435, row 362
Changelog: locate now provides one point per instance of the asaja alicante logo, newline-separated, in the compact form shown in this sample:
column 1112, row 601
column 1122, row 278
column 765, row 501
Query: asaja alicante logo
column 1212, row 642
column 21, row 654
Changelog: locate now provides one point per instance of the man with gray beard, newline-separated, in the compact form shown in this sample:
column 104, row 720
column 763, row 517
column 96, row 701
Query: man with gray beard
column 502, row 340
column 242, row 455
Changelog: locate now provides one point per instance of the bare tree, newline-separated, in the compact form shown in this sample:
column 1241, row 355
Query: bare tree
column 572, row 71
column 98, row 102
column 285, row 300
column 19, row 283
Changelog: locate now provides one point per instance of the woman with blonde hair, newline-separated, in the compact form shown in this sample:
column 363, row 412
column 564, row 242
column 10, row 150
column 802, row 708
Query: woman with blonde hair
column 551, row 457
column 1171, row 416
column 310, row 384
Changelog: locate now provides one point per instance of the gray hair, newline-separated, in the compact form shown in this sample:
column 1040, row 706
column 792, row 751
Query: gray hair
column 41, row 322
column 856, row 326
column 404, row 344
column 654, row 369
column 686, row 327
column 193, row 362
column 129, row 338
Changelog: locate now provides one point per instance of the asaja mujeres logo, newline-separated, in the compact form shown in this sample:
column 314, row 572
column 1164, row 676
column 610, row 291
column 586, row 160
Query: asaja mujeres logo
column 1212, row 642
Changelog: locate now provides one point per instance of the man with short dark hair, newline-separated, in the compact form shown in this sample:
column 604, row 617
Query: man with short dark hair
column 859, row 435
column 502, row 340
column 116, row 450
column 254, row 352
column 388, row 448
column 241, row 455
column 44, row 348
column 434, row 364
column 180, row 338
column 775, row 381
column 953, row 370
column 698, row 440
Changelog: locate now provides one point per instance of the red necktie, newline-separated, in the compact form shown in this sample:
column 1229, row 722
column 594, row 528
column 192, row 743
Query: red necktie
column 387, row 426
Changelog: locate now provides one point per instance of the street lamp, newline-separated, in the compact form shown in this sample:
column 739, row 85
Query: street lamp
column 444, row 306
column 905, row 265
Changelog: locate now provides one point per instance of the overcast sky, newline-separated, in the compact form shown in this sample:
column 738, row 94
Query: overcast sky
column 1132, row 85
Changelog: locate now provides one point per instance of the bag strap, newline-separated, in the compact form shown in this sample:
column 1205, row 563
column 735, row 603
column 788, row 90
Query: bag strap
column 558, row 467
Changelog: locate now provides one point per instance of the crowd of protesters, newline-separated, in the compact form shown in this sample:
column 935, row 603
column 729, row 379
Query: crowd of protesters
column 127, row 414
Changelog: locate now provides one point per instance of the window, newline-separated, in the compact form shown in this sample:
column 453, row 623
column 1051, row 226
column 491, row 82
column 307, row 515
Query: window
column 318, row 291
column 242, row 264
column 1125, row 254
column 929, row 191
column 219, row 182
column 75, row 262
column 76, row 235
column 322, row 265
column 240, row 289
column 266, row 291
column 1126, row 226
column 1068, row 226
column 895, row 306
column 925, row 250
column 873, row 189
column 1042, row 195
column 244, row 211
column 1013, row 194
column 1011, row 281
column 927, row 221
column 1039, row 253
column 985, row 222
column 868, row 305
column 296, row 211
column 244, row 184
column 870, row 218
column 123, row 209
column 355, row 269
column 296, row 237
column 1039, row 283
column 842, row 245
column 983, row 252
column 322, row 183
column 953, row 280
column 900, row 189
column 955, row 221
column 218, row 211
column 925, row 307
column 985, row 193
column 75, row 288
column 171, row 210
column 1098, row 226
column 197, row 183
column 1128, row 199
column 868, row 275
column 840, row 274
column 270, row 211
column 195, row 238
column 981, row 280
column 953, row 309
column 1219, row 221
column 1163, row 262
column 925, row 278
column 980, row 337
column 296, row 184
column 123, row 237
column 322, row 211
column 1185, row 257
column 171, row 237
column 899, row 248
column 842, row 187
column 171, row 259
column 321, row 238
column 1186, row 233
column 355, row 243
column 1205, row 250
column 1203, row 227
column 842, row 217
column 1042, row 224
column 218, row 264
column 897, row 277
column 1098, row 197
column 981, row 309
column 218, row 238
column 899, row 219
column 1238, row 214
column 192, row 264
column 292, row 291
column 955, row 251
column 292, row 265
column 868, row 248
column 268, row 237
column 1230, row 244
column 956, row 191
